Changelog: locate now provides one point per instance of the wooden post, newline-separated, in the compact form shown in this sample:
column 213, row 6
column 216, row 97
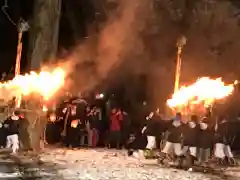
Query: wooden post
column 178, row 69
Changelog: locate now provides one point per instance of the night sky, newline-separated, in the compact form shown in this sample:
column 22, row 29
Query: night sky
column 8, row 35
column 84, row 12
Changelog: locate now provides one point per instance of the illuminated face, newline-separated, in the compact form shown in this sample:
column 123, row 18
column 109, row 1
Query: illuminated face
column 203, row 125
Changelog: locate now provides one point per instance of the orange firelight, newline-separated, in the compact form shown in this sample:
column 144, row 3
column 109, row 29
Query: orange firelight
column 45, row 83
column 74, row 123
column 204, row 91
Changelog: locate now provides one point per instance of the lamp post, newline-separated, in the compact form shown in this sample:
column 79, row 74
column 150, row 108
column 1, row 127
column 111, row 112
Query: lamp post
column 180, row 43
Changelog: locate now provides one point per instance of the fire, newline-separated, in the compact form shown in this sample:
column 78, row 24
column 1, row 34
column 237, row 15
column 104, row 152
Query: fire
column 204, row 91
column 44, row 83
column 74, row 123
column 44, row 108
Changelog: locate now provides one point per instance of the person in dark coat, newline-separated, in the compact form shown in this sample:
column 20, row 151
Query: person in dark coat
column 236, row 135
column 152, row 131
column 173, row 142
column 136, row 144
column 76, row 112
column 205, row 141
column 53, row 131
column 12, row 125
column 223, row 141
column 125, row 128
column 92, row 127
column 3, row 136
column 190, row 138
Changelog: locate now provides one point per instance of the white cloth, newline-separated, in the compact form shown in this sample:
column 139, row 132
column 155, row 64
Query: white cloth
column 176, row 123
column 203, row 126
column 139, row 154
column 151, row 142
column 222, row 151
column 14, row 117
column 228, row 151
column 175, row 147
column 13, row 142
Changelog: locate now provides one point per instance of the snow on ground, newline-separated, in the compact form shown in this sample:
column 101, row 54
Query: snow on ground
column 104, row 164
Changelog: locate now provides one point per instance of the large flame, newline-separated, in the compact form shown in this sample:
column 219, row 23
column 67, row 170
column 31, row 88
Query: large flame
column 44, row 83
column 204, row 91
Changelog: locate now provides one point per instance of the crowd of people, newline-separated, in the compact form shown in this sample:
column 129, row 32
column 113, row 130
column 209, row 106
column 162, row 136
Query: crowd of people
column 76, row 123
column 196, row 140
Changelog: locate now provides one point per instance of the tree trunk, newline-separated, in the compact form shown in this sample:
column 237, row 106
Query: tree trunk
column 44, row 30
column 32, row 129
column 43, row 46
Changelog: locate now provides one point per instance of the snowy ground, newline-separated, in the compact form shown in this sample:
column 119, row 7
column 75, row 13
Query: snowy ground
column 103, row 164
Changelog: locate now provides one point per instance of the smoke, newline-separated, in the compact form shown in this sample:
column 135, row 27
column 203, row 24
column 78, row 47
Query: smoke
column 122, row 46
column 119, row 40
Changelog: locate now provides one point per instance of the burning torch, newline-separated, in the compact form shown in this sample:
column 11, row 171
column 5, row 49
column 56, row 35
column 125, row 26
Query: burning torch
column 23, row 26
column 180, row 43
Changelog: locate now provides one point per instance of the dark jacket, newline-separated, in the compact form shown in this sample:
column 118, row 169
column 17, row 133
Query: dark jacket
column 139, row 142
column 93, row 121
column 190, row 135
column 225, row 133
column 152, row 127
column 3, row 136
column 175, row 133
column 12, row 126
column 205, row 138
column 236, row 138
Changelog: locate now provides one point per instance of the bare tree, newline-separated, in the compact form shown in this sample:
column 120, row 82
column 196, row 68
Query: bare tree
column 44, row 32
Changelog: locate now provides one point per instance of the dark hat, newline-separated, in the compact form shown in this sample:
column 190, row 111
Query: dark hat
column 17, row 112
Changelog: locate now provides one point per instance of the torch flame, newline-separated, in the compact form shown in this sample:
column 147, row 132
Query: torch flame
column 204, row 90
column 44, row 83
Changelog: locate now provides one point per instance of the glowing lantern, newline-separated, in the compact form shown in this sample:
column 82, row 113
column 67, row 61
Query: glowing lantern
column 74, row 123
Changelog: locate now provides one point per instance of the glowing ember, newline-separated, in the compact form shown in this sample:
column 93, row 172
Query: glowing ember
column 74, row 123
column 204, row 91
column 44, row 108
column 44, row 83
